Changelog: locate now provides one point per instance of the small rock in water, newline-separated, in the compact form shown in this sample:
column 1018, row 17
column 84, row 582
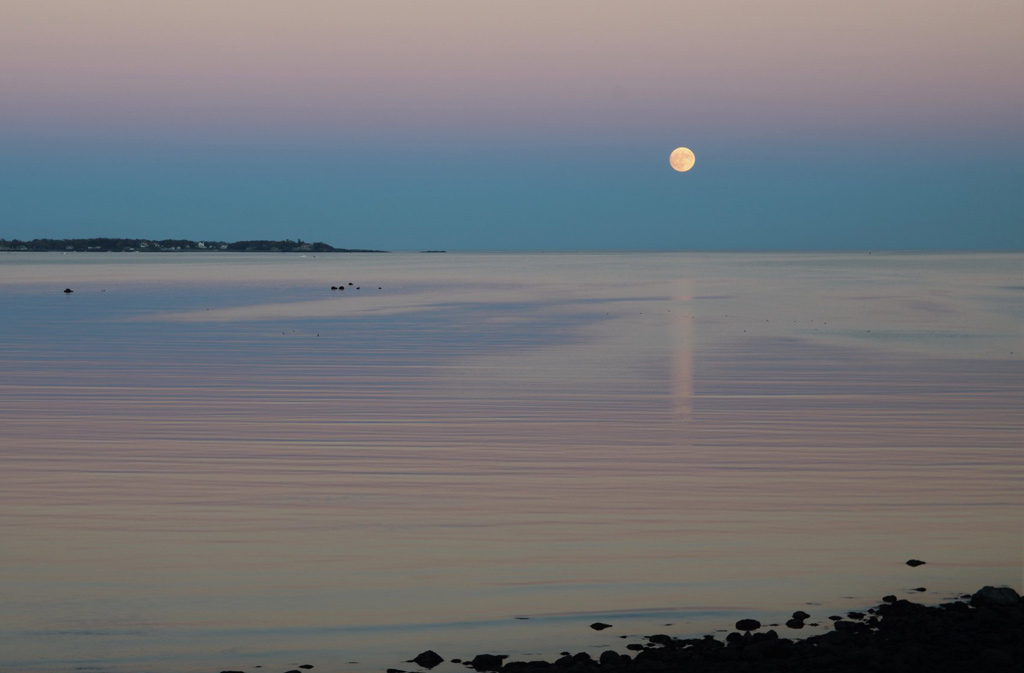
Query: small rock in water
column 428, row 659
column 795, row 623
column 598, row 626
column 913, row 563
column 889, row 599
column 921, row 589
column 748, row 625
column 801, row 615
column 488, row 662
column 68, row 290
column 306, row 666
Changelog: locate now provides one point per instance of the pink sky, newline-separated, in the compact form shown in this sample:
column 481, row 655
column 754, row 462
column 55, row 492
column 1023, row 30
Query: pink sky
column 199, row 65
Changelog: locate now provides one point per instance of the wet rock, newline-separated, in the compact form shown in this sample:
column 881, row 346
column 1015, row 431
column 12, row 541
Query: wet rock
column 526, row 666
column 795, row 623
column 581, row 658
column 636, row 647
column 801, row 615
column 921, row 590
column 889, row 599
column 306, row 666
column 1000, row 596
column 748, row 625
column 598, row 626
column 913, row 563
column 856, row 615
column 334, row 287
column 427, row 659
column 487, row 662
column 68, row 290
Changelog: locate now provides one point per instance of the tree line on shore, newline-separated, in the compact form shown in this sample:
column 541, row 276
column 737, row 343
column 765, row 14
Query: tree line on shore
column 165, row 245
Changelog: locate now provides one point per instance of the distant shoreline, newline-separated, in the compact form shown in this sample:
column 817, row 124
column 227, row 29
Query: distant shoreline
column 165, row 245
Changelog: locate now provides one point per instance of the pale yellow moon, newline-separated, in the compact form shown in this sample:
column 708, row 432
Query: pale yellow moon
column 681, row 159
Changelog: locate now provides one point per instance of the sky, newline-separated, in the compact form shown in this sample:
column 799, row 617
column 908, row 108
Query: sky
column 526, row 125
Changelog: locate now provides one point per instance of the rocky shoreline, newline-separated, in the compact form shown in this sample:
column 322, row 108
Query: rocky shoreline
column 978, row 633
column 983, row 631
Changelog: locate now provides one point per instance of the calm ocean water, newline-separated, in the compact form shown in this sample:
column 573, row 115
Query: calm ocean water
column 215, row 461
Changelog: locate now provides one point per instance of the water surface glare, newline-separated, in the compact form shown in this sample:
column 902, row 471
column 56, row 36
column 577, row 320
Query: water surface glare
column 214, row 461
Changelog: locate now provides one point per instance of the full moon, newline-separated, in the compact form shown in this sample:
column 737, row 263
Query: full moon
column 681, row 159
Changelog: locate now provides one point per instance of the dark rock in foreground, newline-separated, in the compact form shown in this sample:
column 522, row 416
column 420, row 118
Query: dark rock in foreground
column 899, row 637
column 999, row 596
